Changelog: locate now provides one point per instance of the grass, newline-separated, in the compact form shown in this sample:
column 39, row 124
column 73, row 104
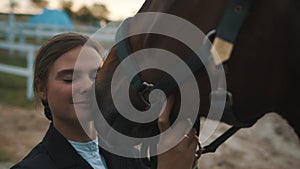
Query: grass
column 13, row 87
column 13, row 91
column 14, row 59
column 3, row 157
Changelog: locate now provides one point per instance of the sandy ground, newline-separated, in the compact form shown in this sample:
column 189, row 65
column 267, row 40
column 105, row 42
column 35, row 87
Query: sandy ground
column 269, row 144
column 20, row 130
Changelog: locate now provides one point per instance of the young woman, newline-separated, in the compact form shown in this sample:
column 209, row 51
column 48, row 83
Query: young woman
column 63, row 82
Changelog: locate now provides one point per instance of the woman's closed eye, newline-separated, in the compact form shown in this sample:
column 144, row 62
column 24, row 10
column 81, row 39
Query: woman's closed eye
column 67, row 75
column 74, row 76
column 70, row 78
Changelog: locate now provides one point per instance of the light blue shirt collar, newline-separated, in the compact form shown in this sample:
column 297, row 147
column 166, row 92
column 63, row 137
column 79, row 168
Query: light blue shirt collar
column 90, row 152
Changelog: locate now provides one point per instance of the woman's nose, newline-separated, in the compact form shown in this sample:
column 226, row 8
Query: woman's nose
column 86, row 85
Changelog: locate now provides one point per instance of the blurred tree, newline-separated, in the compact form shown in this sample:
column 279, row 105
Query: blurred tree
column 40, row 3
column 93, row 14
column 99, row 11
column 84, row 15
column 13, row 4
column 67, row 5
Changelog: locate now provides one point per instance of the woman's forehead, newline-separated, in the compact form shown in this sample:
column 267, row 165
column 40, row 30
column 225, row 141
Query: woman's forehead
column 79, row 58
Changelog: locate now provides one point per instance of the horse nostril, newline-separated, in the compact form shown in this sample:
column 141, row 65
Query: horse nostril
column 238, row 9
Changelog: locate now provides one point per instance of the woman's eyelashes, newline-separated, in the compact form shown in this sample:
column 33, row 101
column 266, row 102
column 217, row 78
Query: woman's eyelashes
column 70, row 79
column 76, row 77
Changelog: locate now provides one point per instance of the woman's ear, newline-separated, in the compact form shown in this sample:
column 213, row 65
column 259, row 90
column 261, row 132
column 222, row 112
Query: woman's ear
column 42, row 92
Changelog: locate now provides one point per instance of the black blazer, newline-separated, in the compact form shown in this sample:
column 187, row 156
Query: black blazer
column 55, row 152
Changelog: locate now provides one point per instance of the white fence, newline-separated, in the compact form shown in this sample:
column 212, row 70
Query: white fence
column 21, row 71
column 16, row 34
column 20, row 31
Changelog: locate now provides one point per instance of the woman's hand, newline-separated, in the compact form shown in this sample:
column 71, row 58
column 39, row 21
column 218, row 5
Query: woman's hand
column 184, row 154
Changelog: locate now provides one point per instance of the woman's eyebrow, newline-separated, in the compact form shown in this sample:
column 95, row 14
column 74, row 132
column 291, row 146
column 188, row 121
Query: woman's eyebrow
column 64, row 72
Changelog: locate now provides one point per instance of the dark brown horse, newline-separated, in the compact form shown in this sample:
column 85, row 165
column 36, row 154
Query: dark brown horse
column 262, row 73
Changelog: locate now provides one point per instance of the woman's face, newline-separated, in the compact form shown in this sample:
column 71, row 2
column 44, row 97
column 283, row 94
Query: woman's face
column 70, row 83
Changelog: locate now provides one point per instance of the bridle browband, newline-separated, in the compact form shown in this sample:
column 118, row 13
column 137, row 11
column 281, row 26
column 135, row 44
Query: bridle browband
column 226, row 33
column 229, row 28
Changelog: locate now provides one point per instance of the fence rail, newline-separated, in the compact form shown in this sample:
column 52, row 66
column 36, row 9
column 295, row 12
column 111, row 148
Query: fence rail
column 21, row 31
column 21, row 71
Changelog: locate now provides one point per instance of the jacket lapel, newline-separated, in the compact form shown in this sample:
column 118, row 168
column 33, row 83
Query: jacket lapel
column 62, row 152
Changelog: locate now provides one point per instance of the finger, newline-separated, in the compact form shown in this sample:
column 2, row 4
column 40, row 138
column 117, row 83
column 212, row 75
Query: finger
column 177, row 132
column 189, row 139
column 163, row 119
column 173, row 138
column 192, row 145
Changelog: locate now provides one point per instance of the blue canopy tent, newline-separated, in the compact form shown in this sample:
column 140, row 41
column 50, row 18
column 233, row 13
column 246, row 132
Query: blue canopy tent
column 52, row 17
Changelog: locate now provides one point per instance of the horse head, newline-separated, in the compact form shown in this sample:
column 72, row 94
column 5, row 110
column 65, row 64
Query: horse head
column 260, row 74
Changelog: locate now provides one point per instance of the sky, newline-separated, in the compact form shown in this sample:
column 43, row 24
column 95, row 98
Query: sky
column 119, row 9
